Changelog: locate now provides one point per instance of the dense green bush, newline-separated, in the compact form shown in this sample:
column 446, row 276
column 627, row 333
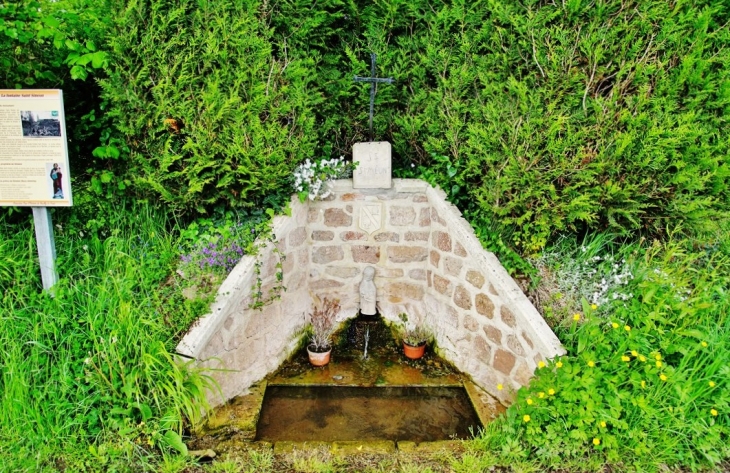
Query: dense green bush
column 209, row 114
column 554, row 116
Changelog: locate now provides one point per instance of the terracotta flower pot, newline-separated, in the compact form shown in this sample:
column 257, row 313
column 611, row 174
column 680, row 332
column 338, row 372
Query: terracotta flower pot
column 414, row 352
column 318, row 359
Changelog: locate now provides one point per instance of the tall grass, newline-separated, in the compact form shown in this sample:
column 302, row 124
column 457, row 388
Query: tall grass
column 95, row 360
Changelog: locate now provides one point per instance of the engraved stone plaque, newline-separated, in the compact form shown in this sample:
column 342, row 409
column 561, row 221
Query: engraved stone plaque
column 371, row 217
column 374, row 165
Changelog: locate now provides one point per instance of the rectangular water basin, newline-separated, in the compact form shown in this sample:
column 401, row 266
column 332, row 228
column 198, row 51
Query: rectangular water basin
column 339, row 413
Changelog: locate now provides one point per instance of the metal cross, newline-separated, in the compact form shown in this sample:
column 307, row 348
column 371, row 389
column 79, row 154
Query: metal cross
column 373, row 80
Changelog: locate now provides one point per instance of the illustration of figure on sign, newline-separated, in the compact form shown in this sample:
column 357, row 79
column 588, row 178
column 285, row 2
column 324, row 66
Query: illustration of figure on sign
column 371, row 217
column 56, row 176
column 38, row 124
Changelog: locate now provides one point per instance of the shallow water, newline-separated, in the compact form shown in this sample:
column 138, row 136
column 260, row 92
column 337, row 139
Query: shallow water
column 338, row 413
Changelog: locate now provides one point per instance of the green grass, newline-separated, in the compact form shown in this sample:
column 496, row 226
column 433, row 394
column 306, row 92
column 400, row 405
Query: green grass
column 93, row 364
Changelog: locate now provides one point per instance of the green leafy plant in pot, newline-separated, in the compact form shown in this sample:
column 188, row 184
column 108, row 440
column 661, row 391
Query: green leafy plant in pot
column 323, row 326
column 414, row 338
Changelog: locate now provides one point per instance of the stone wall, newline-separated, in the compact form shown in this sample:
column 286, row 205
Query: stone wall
column 428, row 264
column 250, row 343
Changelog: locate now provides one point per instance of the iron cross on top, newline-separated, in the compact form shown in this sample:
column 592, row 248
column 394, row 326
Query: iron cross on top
column 373, row 80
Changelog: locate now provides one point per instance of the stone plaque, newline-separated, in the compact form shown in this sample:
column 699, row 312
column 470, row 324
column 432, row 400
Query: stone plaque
column 371, row 217
column 374, row 166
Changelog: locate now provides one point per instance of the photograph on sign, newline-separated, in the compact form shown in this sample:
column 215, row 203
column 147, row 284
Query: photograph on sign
column 34, row 167
column 40, row 124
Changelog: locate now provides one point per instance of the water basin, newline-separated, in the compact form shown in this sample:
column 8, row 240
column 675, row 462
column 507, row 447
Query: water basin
column 340, row 413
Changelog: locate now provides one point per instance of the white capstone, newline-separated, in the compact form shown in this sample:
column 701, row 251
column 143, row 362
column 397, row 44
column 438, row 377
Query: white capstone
column 373, row 165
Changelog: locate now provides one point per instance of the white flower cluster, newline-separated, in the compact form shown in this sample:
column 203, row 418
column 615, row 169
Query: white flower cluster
column 596, row 279
column 314, row 177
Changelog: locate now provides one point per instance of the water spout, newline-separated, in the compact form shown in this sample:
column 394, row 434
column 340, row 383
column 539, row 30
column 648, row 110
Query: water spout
column 367, row 338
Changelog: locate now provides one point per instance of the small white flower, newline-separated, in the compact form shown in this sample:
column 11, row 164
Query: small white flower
column 85, row 247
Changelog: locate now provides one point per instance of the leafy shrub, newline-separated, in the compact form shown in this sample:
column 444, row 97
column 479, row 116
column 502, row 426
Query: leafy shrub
column 645, row 380
column 550, row 116
column 209, row 113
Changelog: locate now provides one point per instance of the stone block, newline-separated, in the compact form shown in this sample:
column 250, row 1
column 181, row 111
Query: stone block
column 349, row 197
column 436, row 218
column 342, row 272
column 435, row 258
column 387, row 236
column 419, row 274
column 420, row 198
column 507, row 316
column 470, row 323
column 424, row 217
column 407, row 254
column 493, row 333
column 337, row 218
column 401, row 216
column 327, row 254
column 475, row 278
column 459, row 250
column 504, row 361
column 484, row 305
column 324, row 284
column 442, row 285
column 450, row 316
column 416, row 236
column 406, row 290
column 297, row 237
column 442, row 241
column 288, row 262
column 388, row 273
column 313, row 215
column 482, row 350
column 515, row 345
column 303, row 257
column 462, row 297
column 373, row 165
column 527, row 340
column 366, row 254
column 353, row 236
column 523, row 374
column 323, row 235
column 452, row 266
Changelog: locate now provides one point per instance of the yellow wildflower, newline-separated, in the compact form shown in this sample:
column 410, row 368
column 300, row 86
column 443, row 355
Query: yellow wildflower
column 596, row 441
column 634, row 353
column 643, row 383
column 526, row 418
column 642, row 358
column 663, row 377
column 704, row 344
column 591, row 364
column 625, row 358
column 658, row 357
column 529, row 401
column 541, row 394
column 559, row 364
column 594, row 306
column 576, row 317
column 500, row 387
column 551, row 391
column 658, row 364
column 713, row 412
column 614, row 325
column 627, row 328
column 712, row 384
column 541, row 364
column 603, row 424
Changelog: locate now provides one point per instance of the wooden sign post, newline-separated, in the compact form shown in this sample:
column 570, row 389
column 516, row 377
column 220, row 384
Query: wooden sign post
column 34, row 170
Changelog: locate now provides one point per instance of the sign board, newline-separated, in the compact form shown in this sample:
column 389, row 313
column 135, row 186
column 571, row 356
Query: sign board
column 373, row 169
column 34, row 167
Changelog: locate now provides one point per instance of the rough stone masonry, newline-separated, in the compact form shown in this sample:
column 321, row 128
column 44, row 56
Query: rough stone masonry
column 429, row 263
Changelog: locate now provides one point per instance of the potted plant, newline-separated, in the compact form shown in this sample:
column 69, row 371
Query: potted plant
column 323, row 326
column 414, row 338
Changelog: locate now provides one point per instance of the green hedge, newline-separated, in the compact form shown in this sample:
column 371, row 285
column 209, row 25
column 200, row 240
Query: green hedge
column 209, row 114
column 546, row 117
